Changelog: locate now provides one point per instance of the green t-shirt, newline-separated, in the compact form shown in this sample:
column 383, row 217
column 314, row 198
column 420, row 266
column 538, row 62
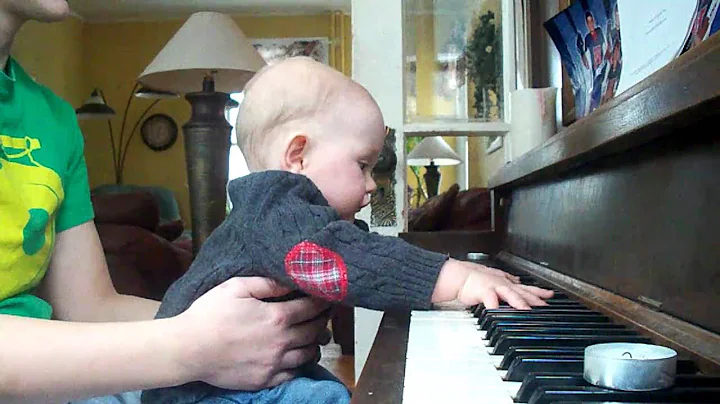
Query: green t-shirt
column 43, row 186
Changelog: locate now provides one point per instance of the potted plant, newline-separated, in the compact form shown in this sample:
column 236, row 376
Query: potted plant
column 483, row 59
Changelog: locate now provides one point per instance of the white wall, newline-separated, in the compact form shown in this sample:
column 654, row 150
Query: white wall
column 377, row 65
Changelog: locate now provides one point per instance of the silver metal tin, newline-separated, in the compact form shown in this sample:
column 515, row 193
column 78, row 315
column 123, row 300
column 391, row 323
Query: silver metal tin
column 629, row 366
column 477, row 256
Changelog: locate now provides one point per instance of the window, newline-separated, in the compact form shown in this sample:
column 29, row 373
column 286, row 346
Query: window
column 237, row 164
column 271, row 50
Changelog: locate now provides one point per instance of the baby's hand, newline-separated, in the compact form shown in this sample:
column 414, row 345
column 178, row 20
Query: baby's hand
column 473, row 283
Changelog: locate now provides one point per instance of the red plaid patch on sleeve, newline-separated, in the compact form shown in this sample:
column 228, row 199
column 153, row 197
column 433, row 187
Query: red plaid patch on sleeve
column 317, row 270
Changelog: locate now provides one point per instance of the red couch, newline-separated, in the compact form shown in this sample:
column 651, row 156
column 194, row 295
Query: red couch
column 144, row 256
column 453, row 210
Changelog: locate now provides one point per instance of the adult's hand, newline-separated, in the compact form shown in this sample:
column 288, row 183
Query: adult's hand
column 234, row 340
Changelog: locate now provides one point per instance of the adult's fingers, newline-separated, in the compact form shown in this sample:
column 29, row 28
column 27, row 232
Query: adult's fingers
column 281, row 377
column 303, row 309
column 255, row 287
column 295, row 358
column 325, row 337
column 307, row 333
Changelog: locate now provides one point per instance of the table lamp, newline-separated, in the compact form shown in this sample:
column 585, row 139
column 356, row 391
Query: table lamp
column 432, row 152
column 207, row 58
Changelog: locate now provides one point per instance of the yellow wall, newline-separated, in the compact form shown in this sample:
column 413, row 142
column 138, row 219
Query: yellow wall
column 427, row 103
column 483, row 166
column 116, row 53
column 52, row 54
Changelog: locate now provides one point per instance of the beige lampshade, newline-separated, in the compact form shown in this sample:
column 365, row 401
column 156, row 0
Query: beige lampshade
column 432, row 149
column 207, row 42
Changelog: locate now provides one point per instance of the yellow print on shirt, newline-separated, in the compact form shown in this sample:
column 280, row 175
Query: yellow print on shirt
column 30, row 194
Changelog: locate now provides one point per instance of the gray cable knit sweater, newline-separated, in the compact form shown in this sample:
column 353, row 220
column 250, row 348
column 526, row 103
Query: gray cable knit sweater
column 281, row 227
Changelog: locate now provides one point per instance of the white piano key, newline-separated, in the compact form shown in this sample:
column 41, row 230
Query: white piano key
column 513, row 388
column 446, row 349
column 439, row 314
column 459, row 396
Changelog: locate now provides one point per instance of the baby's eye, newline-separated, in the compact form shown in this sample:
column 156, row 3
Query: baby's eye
column 363, row 166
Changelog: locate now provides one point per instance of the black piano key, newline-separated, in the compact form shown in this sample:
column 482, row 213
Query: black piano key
column 685, row 367
column 533, row 381
column 623, row 402
column 539, row 352
column 500, row 328
column 560, row 295
column 522, row 366
column 547, row 324
column 541, row 309
column 505, row 342
column 547, row 395
column 550, row 317
column 558, row 331
column 550, row 303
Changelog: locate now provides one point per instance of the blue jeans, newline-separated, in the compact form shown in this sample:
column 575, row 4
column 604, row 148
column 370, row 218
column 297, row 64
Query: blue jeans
column 132, row 397
column 317, row 387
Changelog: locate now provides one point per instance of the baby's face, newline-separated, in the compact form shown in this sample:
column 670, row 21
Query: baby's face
column 341, row 163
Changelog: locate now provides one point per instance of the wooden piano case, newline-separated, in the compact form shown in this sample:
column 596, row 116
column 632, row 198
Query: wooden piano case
column 621, row 209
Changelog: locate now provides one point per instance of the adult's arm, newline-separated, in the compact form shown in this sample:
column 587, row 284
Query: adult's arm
column 227, row 337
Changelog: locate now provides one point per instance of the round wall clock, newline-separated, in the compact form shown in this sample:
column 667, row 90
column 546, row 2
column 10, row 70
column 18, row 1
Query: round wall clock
column 159, row 132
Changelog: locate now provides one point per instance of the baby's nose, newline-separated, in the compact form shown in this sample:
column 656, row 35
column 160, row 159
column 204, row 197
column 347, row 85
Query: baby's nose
column 370, row 186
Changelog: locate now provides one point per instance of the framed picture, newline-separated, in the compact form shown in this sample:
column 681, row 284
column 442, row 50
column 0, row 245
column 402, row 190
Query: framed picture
column 276, row 49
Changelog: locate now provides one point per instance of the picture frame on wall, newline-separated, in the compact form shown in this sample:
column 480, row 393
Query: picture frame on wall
column 276, row 49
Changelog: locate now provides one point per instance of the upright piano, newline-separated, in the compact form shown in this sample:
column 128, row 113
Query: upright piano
column 619, row 213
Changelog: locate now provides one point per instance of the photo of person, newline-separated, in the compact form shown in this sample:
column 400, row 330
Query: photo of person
column 703, row 19
column 594, row 63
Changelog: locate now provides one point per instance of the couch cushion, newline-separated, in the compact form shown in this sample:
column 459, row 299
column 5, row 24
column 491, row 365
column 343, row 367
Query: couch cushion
column 165, row 199
column 156, row 260
column 132, row 208
column 170, row 231
column 471, row 210
column 433, row 214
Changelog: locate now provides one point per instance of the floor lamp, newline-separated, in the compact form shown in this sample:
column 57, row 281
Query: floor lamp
column 207, row 58
column 432, row 152
column 96, row 108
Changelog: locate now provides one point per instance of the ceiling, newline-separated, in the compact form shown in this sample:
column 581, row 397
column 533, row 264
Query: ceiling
column 123, row 10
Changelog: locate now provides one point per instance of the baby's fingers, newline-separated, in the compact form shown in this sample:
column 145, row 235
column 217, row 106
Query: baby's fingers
column 503, row 274
column 490, row 299
column 513, row 298
column 539, row 292
column 530, row 298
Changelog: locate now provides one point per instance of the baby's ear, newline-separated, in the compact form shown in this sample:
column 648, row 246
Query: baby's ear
column 294, row 156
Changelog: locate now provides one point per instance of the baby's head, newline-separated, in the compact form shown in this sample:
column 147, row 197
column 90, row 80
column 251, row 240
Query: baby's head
column 301, row 116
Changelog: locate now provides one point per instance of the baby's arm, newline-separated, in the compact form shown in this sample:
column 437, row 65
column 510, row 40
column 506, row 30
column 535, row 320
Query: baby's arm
column 380, row 272
column 472, row 283
column 282, row 228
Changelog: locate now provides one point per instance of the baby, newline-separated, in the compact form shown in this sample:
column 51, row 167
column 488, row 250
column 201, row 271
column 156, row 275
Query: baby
column 311, row 137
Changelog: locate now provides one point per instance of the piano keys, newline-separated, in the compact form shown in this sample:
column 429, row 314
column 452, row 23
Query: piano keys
column 618, row 214
column 542, row 362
